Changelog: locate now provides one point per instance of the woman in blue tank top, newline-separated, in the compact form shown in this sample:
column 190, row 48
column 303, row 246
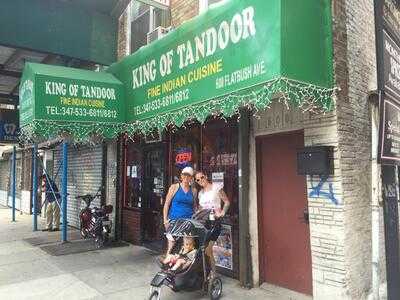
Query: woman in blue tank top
column 179, row 202
column 181, row 205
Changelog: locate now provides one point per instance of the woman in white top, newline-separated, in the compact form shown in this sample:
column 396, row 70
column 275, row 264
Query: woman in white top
column 211, row 196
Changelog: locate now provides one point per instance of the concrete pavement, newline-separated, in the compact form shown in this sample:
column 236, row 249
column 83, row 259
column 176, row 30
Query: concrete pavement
column 27, row 272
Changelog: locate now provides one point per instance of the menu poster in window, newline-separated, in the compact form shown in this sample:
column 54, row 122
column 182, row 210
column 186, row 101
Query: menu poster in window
column 218, row 178
column 222, row 248
column 134, row 172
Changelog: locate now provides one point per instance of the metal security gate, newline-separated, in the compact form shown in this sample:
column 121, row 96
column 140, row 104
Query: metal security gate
column 4, row 181
column 84, row 176
column 18, row 175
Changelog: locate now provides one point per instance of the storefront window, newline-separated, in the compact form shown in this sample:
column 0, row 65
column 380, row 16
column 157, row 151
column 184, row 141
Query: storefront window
column 220, row 159
column 133, row 177
column 154, row 178
column 185, row 150
column 145, row 19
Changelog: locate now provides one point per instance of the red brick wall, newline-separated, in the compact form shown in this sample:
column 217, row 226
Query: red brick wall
column 131, row 226
column 183, row 10
column 122, row 43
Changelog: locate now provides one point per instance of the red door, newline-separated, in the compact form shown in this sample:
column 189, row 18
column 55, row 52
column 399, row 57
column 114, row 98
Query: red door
column 285, row 236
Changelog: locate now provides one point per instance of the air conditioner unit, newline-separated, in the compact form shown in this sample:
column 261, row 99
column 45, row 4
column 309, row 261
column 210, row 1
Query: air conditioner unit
column 157, row 33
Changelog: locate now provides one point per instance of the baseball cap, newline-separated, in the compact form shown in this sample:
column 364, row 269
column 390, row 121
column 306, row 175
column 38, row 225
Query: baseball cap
column 188, row 170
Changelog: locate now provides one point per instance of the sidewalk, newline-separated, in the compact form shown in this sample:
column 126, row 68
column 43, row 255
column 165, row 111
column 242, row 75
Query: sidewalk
column 27, row 272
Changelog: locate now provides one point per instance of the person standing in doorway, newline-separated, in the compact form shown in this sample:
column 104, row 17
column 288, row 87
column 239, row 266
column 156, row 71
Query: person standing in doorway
column 180, row 202
column 52, row 196
column 211, row 196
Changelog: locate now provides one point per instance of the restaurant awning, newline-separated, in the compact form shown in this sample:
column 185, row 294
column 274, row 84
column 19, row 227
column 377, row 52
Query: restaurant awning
column 58, row 100
column 239, row 53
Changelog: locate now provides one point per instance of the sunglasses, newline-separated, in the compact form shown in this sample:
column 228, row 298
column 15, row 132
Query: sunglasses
column 200, row 178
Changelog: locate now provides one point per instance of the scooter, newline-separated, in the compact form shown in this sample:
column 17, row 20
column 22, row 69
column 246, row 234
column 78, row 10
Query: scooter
column 95, row 222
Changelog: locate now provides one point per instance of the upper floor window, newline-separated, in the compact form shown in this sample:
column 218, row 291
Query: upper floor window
column 145, row 19
column 204, row 4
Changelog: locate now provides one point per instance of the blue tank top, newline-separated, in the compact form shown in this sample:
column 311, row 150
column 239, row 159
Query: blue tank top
column 181, row 205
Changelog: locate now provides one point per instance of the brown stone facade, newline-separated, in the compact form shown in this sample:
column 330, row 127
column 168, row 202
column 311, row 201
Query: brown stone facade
column 183, row 10
column 122, row 35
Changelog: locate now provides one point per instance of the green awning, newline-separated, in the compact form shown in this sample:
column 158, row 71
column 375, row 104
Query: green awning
column 239, row 53
column 57, row 100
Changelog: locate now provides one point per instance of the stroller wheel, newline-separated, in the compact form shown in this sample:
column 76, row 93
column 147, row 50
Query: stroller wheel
column 215, row 288
column 155, row 295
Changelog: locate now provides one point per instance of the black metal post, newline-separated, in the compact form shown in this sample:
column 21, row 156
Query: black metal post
column 243, row 173
column 120, row 187
column 391, row 220
column 104, row 178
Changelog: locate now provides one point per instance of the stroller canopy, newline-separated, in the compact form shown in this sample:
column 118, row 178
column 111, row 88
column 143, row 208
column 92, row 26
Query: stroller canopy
column 188, row 227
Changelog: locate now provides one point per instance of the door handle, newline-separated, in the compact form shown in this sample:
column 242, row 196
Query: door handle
column 306, row 216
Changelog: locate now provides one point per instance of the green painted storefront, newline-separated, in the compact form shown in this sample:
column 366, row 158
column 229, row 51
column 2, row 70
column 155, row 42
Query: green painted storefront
column 240, row 54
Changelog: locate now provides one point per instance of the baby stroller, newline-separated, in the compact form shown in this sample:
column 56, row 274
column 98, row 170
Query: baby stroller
column 196, row 275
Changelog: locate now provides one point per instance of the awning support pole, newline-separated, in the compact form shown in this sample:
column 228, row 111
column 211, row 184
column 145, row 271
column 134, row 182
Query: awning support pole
column 64, row 181
column 243, row 170
column 34, row 186
column 14, row 181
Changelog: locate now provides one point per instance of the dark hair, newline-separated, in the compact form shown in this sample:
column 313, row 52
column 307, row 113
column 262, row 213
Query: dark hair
column 200, row 172
column 198, row 186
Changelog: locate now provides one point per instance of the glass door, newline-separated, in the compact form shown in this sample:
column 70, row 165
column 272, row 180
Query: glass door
column 133, row 178
column 153, row 192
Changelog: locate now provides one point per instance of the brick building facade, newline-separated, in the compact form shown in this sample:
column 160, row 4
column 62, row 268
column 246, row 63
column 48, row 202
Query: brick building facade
column 341, row 233
column 340, row 212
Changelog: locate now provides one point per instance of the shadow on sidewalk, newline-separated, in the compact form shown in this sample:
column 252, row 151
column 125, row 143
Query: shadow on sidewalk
column 78, row 246
column 46, row 238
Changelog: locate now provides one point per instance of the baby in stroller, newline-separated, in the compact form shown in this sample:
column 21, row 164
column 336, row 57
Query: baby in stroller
column 188, row 267
column 183, row 259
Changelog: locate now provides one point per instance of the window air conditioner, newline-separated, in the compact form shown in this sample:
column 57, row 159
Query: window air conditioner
column 157, row 33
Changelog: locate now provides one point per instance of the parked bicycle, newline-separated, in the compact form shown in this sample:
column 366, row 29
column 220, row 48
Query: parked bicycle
column 94, row 221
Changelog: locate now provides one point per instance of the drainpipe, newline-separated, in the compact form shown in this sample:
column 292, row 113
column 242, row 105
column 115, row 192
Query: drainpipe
column 375, row 208
column 243, row 174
